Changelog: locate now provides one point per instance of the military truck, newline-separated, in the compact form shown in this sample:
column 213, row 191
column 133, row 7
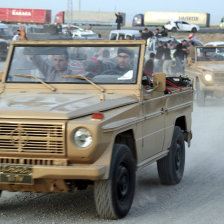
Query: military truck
column 80, row 113
column 208, row 73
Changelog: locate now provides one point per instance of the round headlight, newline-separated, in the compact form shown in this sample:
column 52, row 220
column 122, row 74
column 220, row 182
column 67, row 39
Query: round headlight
column 208, row 77
column 83, row 138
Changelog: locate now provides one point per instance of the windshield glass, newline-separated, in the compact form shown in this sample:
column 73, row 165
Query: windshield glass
column 101, row 64
column 210, row 54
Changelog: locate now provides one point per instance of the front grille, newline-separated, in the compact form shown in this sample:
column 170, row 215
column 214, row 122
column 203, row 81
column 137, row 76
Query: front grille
column 32, row 161
column 32, row 138
column 219, row 78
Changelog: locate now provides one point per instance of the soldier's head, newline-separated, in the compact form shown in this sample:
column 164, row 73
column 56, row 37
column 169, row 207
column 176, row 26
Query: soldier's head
column 184, row 42
column 61, row 62
column 125, row 56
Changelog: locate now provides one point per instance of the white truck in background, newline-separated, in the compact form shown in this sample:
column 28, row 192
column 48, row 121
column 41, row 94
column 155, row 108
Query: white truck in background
column 159, row 18
column 88, row 17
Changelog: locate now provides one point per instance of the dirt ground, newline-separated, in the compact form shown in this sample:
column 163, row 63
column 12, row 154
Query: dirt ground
column 203, row 37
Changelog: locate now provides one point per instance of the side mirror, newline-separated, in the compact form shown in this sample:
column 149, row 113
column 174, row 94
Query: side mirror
column 1, row 75
column 159, row 82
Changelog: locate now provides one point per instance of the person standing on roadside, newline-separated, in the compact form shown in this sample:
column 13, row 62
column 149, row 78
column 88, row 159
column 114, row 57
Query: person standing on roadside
column 149, row 65
column 192, row 36
column 191, row 53
column 140, row 33
column 147, row 34
column 167, row 60
column 159, row 55
column 163, row 32
column 157, row 33
column 69, row 30
column 119, row 20
column 180, row 54
column 148, row 71
column 90, row 27
column 170, row 45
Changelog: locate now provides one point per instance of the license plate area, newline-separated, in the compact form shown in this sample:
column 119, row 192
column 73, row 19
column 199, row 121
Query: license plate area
column 16, row 174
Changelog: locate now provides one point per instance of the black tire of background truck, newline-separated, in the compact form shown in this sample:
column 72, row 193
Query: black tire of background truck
column 171, row 167
column 200, row 95
column 194, row 30
column 114, row 197
column 174, row 29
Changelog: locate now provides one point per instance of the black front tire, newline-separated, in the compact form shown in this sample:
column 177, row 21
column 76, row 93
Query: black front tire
column 171, row 167
column 194, row 30
column 174, row 29
column 114, row 197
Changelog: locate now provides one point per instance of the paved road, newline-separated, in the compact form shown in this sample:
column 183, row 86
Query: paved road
column 198, row 199
column 202, row 30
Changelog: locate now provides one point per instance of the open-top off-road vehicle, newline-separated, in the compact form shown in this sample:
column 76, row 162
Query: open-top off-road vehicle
column 75, row 113
column 207, row 72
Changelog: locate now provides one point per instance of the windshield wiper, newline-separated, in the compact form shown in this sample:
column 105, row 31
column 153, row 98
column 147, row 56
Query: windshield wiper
column 40, row 80
column 101, row 89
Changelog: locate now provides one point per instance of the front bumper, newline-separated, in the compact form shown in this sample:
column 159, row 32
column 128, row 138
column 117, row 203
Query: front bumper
column 216, row 90
column 47, row 179
column 84, row 172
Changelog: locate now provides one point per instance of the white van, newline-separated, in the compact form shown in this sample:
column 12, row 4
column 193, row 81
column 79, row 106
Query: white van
column 122, row 35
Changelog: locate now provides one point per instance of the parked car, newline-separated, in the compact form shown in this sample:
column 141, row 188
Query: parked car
column 179, row 25
column 78, row 31
column 216, row 43
column 196, row 42
column 122, row 34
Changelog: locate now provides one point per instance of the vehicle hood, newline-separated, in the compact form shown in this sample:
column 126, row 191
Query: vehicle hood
column 212, row 67
column 58, row 105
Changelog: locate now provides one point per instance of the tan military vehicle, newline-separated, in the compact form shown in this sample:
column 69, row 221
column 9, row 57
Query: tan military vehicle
column 208, row 73
column 76, row 113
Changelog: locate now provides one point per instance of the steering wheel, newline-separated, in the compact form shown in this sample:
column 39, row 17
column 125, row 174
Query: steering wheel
column 112, row 71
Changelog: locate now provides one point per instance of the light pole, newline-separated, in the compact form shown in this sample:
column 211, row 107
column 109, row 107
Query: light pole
column 79, row 6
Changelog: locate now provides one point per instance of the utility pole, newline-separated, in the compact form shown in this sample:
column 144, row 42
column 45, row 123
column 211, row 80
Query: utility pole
column 70, row 10
column 79, row 6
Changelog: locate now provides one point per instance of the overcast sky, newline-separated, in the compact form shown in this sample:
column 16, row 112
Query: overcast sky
column 130, row 7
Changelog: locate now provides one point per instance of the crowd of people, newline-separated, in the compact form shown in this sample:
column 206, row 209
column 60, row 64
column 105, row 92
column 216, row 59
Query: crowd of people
column 146, row 33
column 162, row 61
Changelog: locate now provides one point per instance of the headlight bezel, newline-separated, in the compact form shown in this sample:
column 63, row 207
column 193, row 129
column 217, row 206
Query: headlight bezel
column 82, row 131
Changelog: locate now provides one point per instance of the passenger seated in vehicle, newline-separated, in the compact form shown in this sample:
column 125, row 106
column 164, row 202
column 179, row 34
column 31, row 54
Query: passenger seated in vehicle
column 124, row 64
column 203, row 56
column 125, row 57
column 92, row 68
column 103, row 60
column 128, row 37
